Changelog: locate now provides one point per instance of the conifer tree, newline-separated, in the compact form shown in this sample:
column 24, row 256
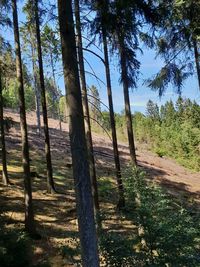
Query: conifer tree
column 50, row 181
column 80, row 164
column 86, row 107
column 29, row 215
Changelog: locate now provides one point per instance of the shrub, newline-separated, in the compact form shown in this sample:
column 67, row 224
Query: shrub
column 167, row 234
column 14, row 249
column 170, row 234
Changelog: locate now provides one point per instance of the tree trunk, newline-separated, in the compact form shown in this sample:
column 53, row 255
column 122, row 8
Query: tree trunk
column 54, row 80
column 29, row 216
column 50, row 182
column 197, row 60
column 37, row 92
column 59, row 117
column 3, row 145
column 81, row 172
column 127, row 103
column 86, row 109
column 112, row 122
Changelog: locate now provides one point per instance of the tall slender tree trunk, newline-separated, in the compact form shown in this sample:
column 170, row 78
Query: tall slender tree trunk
column 197, row 60
column 127, row 103
column 50, row 181
column 29, row 216
column 112, row 122
column 37, row 92
column 3, row 144
column 86, row 108
column 54, row 80
column 80, row 164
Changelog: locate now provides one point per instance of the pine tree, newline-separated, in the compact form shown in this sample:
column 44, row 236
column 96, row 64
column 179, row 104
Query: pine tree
column 28, row 34
column 51, row 53
column 177, row 42
column 81, row 173
column 50, row 181
column 29, row 215
column 86, row 108
column 4, row 21
column 102, row 17
column 3, row 144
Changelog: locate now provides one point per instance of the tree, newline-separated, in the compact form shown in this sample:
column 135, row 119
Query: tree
column 63, row 108
column 86, row 108
column 50, row 181
column 129, row 16
column 28, row 33
column 95, row 104
column 177, row 42
column 124, row 42
column 3, row 45
column 29, row 215
column 153, row 111
column 77, row 137
column 51, row 48
column 4, row 18
column 51, row 52
column 170, row 113
column 3, row 145
column 102, row 17
column 125, row 39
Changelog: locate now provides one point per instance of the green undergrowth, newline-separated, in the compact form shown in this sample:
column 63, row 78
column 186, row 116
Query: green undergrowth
column 164, row 232
column 15, row 247
column 167, row 234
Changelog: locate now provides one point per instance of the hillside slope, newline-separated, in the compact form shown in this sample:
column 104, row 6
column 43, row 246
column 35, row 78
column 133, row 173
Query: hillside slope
column 55, row 214
column 165, row 170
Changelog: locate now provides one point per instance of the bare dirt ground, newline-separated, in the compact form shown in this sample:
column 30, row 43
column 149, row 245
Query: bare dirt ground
column 54, row 214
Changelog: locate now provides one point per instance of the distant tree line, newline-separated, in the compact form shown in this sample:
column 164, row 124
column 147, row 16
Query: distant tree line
column 173, row 129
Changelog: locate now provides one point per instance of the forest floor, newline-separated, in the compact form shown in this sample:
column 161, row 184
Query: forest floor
column 55, row 214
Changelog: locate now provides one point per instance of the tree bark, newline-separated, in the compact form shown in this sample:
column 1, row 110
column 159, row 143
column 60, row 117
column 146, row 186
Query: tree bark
column 29, row 216
column 86, row 108
column 128, row 114
column 50, row 181
column 37, row 92
column 3, row 144
column 121, row 202
column 81, row 172
column 197, row 60
column 54, row 80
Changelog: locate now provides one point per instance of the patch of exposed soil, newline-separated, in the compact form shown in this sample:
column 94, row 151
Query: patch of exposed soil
column 55, row 216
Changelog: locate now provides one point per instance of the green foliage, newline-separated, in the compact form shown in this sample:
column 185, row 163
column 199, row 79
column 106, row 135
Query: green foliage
column 116, row 250
column 171, row 236
column 94, row 104
column 29, row 98
column 166, row 233
column 172, row 130
column 153, row 111
column 176, row 42
column 106, row 120
column 14, row 249
column 63, row 108
column 52, row 97
column 169, row 73
column 10, row 95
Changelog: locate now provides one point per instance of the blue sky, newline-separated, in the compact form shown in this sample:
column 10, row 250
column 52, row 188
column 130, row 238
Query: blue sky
column 139, row 96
